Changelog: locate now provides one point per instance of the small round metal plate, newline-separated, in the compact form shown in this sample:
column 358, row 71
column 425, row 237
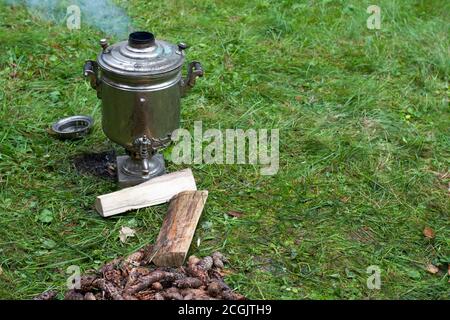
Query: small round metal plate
column 74, row 127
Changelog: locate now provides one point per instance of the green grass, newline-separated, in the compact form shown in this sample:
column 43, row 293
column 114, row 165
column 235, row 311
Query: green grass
column 364, row 148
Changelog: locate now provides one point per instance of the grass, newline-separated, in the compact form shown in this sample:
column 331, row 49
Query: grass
column 364, row 147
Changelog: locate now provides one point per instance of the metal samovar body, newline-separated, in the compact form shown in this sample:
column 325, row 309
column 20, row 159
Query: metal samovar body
column 140, row 84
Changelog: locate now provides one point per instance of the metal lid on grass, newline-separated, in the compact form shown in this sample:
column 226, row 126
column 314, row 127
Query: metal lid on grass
column 74, row 127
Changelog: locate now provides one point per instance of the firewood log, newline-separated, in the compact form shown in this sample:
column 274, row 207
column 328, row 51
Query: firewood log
column 153, row 192
column 178, row 228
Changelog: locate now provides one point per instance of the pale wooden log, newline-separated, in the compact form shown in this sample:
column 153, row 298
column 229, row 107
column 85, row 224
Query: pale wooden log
column 155, row 191
column 178, row 228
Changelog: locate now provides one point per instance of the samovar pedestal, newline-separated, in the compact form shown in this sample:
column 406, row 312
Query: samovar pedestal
column 131, row 171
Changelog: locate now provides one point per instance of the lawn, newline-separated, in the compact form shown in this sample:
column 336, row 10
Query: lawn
column 364, row 147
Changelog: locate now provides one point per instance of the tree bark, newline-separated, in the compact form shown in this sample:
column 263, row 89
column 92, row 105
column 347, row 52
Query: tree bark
column 178, row 228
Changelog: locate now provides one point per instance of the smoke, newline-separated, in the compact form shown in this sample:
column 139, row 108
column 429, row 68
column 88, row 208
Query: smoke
column 101, row 14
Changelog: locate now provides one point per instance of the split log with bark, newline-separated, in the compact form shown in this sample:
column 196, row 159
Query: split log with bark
column 178, row 228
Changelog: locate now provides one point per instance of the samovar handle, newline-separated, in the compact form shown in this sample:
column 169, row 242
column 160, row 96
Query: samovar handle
column 195, row 70
column 90, row 71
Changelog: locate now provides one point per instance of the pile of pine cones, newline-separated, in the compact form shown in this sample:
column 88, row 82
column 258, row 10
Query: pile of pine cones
column 133, row 279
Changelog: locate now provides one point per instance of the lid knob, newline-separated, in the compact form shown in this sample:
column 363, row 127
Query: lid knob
column 104, row 44
column 182, row 46
column 141, row 39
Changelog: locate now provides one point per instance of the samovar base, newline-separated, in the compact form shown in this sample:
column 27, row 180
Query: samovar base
column 129, row 171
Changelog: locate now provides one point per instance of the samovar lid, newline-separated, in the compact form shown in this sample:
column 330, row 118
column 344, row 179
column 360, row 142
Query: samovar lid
column 141, row 55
